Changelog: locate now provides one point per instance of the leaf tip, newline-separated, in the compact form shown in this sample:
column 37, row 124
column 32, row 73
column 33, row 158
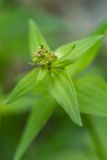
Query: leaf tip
column 31, row 21
column 32, row 24
column 79, row 121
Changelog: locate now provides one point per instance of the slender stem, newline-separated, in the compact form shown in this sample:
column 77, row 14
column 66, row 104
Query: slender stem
column 100, row 150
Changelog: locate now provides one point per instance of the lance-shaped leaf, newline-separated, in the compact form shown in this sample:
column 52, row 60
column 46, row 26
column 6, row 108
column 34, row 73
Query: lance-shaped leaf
column 36, row 38
column 83, row 61
column 72, row 52
column 101, row 29
column 92, row 95
column 41, row 74
column 24, row 86
column 38, row 118
column 62, row 89
column 21, row 105
column 87, row 59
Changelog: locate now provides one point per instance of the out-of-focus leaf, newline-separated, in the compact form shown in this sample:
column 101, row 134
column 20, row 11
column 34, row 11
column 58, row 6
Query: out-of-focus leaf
column 67, row 154
column 38, row 118
column 100, row 125
column 101, row 29
column 20, row 106
column 74, row 155
column 24, row 86
column 62, row 89
column 73, row 51
column 86, row 59
column 36, row 38
column 92, row 95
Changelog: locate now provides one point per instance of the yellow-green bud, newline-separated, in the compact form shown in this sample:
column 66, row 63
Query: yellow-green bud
column 44, row 57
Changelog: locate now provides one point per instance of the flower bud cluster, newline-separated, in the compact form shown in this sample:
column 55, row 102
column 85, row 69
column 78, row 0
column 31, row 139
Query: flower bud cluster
column 44, row 57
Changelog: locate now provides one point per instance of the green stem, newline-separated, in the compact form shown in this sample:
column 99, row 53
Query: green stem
column 100, row 150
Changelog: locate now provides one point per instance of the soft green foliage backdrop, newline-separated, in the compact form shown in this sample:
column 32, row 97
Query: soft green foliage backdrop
column 60, row 138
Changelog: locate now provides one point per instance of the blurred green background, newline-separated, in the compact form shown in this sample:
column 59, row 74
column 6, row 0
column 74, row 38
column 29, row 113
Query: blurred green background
column 61, row 22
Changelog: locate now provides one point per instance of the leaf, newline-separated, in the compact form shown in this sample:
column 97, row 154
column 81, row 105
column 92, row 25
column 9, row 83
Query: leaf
column 20, row 106
column 38, row 118
column 87, row 59
column 92, row 95
column 36, row 38
column 83, row 61
column 101, row 29
column 24, row 86
column 41, row 74
column 62, row 89
column 65, row 49
column 72, row 52
column 70, row 154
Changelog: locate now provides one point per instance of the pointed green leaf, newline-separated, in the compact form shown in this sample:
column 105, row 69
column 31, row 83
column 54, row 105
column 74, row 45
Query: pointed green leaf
column 38, row 118
column 65, row 49
column 20, row 106
column 92, row 95
column 41, row 74
column 87, row 59
column 84, row 61
column 36, row 38
column 73, row 51
column 24, row 86
column 101, row 29
column 62, row 89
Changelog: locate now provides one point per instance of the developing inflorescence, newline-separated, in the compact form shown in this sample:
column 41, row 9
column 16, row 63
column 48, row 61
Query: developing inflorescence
column 44, row 57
